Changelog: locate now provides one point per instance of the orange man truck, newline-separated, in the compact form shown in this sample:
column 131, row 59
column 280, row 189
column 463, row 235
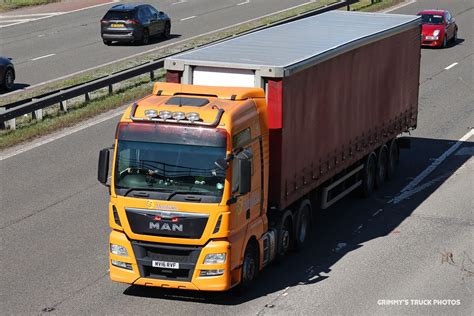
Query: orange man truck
column 219, row 170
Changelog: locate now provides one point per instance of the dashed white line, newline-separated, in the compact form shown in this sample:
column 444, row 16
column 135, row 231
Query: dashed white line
column 451, row 66
column 181, row 1
column 403, row 4
column 242, row 3
column 412, row 185
column 41, row 57
column 188, row 18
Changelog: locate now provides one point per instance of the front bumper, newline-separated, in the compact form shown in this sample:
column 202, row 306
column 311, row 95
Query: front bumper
column 190, row 258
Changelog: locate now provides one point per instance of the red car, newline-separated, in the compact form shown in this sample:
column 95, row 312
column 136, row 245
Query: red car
column 438, row 28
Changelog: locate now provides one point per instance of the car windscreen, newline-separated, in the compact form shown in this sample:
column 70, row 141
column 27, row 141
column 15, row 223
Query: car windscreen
column 431, row 19
column 120, row 15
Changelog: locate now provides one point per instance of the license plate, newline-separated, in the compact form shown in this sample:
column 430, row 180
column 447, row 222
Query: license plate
column 165, row 264
column 116, row 25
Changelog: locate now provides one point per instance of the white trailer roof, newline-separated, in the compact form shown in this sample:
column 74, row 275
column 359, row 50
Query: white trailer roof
column 281, row 50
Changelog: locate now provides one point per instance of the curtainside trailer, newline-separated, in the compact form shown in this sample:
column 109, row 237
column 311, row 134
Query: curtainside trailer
column 218, row 171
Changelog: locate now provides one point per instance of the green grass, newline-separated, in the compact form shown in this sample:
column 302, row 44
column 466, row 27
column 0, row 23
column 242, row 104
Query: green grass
column 6, row 5
column 54, row 119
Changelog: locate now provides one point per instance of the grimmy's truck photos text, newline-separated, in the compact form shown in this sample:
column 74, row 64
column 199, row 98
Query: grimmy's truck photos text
column 218, row 171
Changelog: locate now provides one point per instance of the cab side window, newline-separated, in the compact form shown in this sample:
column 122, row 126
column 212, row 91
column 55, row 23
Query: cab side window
column 448, row 16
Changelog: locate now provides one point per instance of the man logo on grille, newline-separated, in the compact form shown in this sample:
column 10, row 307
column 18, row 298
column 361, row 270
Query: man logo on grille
column 166, row 226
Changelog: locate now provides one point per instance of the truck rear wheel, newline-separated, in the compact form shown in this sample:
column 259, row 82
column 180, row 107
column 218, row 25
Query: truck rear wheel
column 368, row 176
column 285, row 234
column 393, row 159
column 382, row 162
column 303, row 225
column 250, row 265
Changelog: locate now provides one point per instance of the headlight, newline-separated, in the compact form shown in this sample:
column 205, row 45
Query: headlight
column 118, row 250
column 214, row 258
column 436, row 33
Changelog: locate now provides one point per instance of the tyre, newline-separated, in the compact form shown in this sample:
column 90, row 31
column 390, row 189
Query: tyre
column 145, row 37
column 454, row 40
column 382, row 162
column 167, row 31
column 250, row 265
column 285, row 234
column 107, row 42
column 8, row 79
column 445, row 41
column 303, row 225
column 393, row 159
column 368, row 175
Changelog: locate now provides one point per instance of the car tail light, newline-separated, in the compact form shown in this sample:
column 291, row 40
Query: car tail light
column 132, row 21
column 104, row 21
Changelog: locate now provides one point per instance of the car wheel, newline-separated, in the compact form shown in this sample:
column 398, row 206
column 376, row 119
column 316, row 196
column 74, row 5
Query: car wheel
column 106, row 42
column 145, row 37
column 455, row 37
column 445, row 41
column 8, row 80
column 167, row 31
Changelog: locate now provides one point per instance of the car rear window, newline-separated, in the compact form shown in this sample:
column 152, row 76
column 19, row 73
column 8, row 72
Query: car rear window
column 119, row 15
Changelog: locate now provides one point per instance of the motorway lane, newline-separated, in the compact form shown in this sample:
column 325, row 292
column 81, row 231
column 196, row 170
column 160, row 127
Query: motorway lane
column 54, row 230
column 75, row 39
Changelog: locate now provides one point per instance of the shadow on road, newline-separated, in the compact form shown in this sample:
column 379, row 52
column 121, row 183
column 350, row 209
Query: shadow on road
column 16, row 86
column 343, row 228
column 153, row 40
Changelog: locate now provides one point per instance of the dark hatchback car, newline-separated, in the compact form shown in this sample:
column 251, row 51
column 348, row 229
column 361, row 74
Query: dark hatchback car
column 134, row 23
column 7, row 73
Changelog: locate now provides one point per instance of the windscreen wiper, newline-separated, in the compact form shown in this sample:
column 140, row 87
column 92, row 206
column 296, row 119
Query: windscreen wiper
column 187, row 192
column 147, row 190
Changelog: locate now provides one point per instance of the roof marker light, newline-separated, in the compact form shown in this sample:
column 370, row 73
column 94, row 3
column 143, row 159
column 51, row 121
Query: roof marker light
column 179, row 116
column 165, row 115
column 151, row 113
column 193, row 116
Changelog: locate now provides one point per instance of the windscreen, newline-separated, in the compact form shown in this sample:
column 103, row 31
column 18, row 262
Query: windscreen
column 170, row 162
column 431, row 19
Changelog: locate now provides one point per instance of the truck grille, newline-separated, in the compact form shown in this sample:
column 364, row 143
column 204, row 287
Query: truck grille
column 186, row 256
column 166, row 224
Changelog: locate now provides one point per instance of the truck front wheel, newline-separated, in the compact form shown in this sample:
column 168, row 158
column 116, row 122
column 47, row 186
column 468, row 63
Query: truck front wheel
column 250, row 265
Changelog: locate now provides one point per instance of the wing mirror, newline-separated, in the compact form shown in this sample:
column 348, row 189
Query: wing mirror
column 103, row 167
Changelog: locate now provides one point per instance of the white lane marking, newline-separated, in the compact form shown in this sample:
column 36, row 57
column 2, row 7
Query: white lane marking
column 358, row 229
column 242, row 3
column 146, row 52
column 412, row 185
column 58, row 13
column 179, row 2
column 375, row 214
column 73, row 130
column 401, row 5
column 188, row 18
column 451, row 66
column 30, row 15
column 41, row 57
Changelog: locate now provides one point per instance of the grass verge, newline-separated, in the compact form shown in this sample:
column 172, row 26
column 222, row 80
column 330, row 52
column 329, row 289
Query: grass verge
column 54, row 119
column 6, row 5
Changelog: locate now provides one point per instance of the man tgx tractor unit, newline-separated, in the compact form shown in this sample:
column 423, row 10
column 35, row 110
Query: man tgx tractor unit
column 216, row 172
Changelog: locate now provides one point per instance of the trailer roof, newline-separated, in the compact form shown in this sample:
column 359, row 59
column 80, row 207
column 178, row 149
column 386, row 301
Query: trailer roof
column 281, row 50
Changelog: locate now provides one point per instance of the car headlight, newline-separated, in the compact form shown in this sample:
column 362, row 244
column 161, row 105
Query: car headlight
column 436, row 33
column 118, row 250
column 214, row 258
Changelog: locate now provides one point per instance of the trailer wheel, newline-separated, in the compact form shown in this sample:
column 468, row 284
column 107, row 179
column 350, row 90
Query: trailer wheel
column 303, row 225
column 368, row 176
column 382, row 163
column 393, row 159
column 250, row 265
column 285, row 234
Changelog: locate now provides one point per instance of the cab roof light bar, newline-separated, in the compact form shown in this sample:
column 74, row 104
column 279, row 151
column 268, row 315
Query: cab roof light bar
column 214, row 123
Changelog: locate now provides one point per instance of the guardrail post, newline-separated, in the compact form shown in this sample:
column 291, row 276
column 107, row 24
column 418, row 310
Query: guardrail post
column 11, row 124
column 37, row 114
column 348, row 6
column 152, row 75
column 111, row 89
column 63, row 106
column 88, row 98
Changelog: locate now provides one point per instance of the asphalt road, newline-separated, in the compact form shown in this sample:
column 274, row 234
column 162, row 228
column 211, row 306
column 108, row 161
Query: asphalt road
column 54, row 47
column 384, row 255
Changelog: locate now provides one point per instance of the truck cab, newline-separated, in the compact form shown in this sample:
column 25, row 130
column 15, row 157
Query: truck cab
column 187, row 187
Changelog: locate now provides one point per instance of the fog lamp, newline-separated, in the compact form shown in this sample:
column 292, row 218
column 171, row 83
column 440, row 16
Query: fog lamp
column 151, row 113
column 211, row 272
column 165, row 115
column 121, row 264
column 192, row 116
column 179, row 116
